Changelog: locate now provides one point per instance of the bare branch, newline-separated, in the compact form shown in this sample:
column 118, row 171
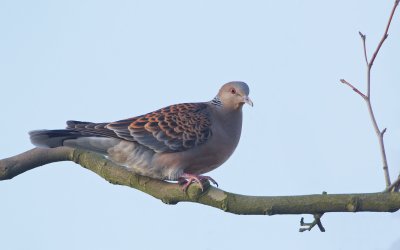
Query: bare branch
column 367, row 97
column 380, row 134
column 394, row 186
column 364, row 37
column 13, row 166
column 385, row 34
column 309, row 226
column 354, row 88
column 171, row 193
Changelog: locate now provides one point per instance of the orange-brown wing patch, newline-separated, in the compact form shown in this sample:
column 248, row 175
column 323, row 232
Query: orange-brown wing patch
column 171, row 129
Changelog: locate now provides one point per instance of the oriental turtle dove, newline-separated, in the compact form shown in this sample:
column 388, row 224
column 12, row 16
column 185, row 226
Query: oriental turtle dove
column 176, row 143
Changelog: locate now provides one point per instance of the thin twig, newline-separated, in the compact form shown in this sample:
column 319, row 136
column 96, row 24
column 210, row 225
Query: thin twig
column 378, row 132
column 394, row 186
column 354, row 88
column 367, row 97
column 385, row 34
column 308, row 226
column 364, row 37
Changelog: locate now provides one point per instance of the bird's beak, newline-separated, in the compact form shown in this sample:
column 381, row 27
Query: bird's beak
column 247, row 100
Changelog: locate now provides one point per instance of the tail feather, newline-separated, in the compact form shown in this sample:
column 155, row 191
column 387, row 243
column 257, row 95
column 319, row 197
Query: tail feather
column 74, row 139
column 84, row 135
column 52, row 138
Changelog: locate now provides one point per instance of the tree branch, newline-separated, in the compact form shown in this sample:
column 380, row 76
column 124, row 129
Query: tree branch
column 394, row 187
column 13, row 166
column 364, row 37
column 367, row 97
column 385, row 34
column 309, row 226
column 354, row 88
column 171, row 193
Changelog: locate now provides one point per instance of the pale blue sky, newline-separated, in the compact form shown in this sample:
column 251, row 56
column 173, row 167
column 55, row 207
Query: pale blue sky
column 108, row 60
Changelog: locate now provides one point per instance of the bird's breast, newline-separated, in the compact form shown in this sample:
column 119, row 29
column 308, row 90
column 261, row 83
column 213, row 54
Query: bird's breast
column 224, row 140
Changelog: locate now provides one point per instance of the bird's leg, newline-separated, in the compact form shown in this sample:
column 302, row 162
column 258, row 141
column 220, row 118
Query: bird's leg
column 186, row 179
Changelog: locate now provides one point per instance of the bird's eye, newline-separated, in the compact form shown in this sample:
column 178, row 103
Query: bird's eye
column 233, row 91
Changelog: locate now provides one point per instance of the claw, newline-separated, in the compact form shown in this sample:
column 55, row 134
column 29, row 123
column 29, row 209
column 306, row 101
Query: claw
column 186, row 179
column 209, row 179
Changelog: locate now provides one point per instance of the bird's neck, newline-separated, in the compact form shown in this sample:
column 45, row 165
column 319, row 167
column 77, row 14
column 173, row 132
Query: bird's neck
column 216, row 101
column 229, row 115
column 227, row 108
column 229, row 124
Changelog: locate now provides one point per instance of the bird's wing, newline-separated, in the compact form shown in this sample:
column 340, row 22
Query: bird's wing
column 90, row 129
column 171, row 129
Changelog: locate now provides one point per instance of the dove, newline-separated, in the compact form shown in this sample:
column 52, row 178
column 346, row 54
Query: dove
column 179, row 143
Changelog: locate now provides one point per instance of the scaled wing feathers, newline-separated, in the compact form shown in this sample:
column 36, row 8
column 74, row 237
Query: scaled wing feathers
column 171, row 129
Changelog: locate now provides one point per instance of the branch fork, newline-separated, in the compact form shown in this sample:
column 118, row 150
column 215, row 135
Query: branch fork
column 367, row 98
column 308, row 226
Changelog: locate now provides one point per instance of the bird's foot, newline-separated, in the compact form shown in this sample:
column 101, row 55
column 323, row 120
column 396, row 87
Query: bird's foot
column 186, row 179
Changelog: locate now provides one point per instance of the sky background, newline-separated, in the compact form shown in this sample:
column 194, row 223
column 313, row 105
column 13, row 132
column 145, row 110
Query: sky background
column 108, row 60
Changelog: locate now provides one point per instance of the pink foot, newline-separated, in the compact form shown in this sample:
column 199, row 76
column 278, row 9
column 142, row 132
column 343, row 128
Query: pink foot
column 186, row 179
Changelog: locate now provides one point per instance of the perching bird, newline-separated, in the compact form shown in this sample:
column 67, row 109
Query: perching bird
column 176, row 143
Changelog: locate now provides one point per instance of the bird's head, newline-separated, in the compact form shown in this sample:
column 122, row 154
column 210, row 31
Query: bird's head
column 234, row 94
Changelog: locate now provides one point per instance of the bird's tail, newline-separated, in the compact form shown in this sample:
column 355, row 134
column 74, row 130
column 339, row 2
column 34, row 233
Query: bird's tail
column 83, row 135
column 52, row 138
